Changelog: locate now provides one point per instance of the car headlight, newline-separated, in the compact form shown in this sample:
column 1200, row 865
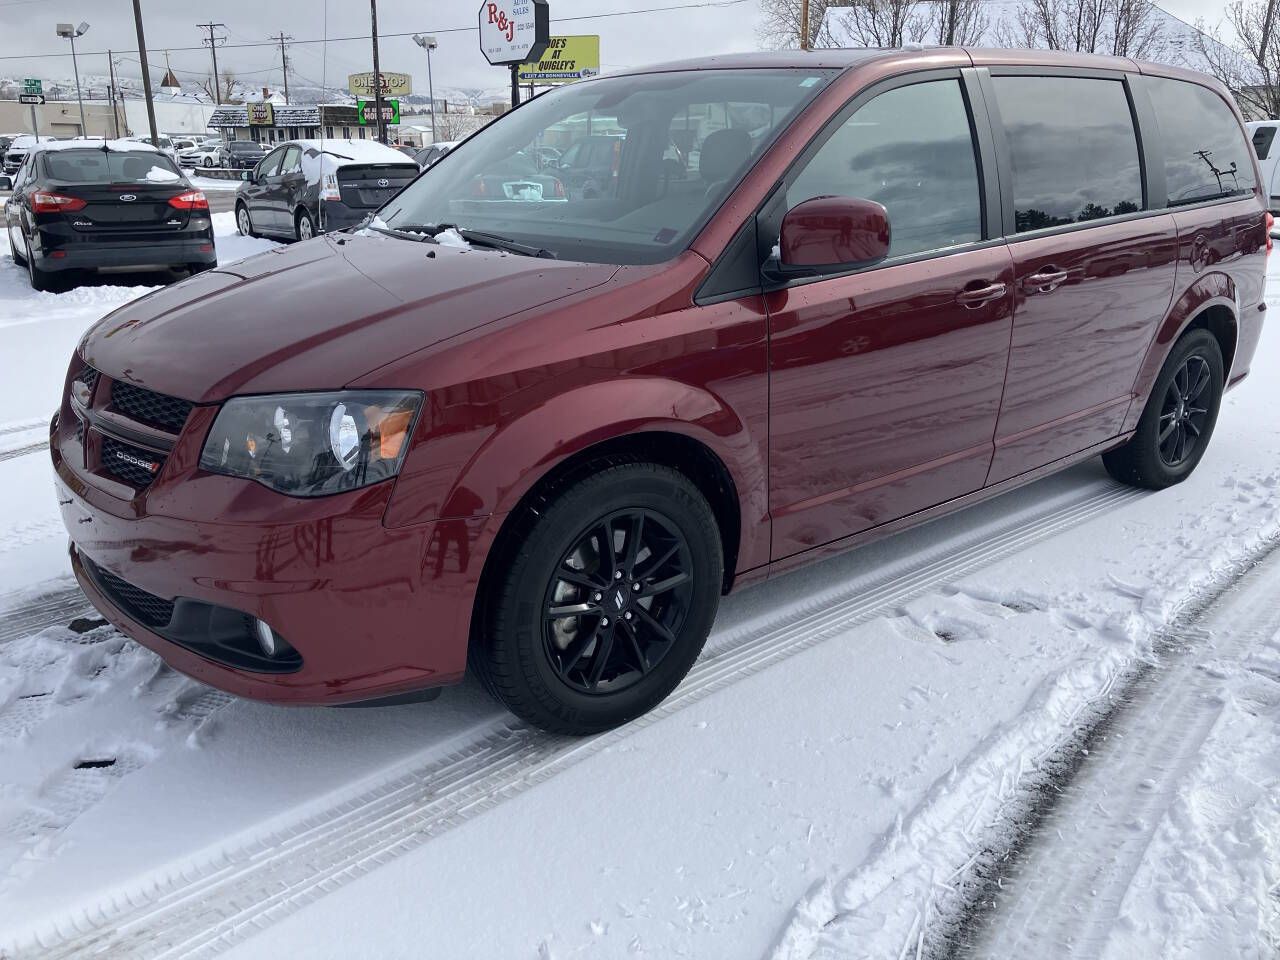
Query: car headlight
column 313, row 444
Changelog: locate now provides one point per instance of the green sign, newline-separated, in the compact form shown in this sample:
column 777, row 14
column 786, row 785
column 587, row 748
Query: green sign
column 369, row 115
column 31, row 85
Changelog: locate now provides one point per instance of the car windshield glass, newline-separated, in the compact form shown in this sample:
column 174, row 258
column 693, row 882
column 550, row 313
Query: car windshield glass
column 616, row 170
column 101, row 166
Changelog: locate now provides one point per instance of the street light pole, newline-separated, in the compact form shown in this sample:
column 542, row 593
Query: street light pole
column 69, row 32
column 377, row 72
column 428, row 44
column 146, row 73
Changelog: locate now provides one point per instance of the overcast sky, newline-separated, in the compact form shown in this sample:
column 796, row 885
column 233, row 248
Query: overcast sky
column 27, row 26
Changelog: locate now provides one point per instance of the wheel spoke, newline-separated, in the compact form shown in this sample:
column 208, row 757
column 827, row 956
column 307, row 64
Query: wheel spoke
column 571, row 610
column 1195, row 431
column 653, row 566
column 1164, row 433
column 600, row 658
column 641, row 660
column 1201, row 382
column 653, row 624
column 606, row 551
column 662, row 586
column 1182, row 379
column 633, row 542
column 579, row 578
column 574, row 652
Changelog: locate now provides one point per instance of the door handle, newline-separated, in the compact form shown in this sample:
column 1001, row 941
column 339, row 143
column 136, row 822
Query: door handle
column 1045, row 280
column 977, row 296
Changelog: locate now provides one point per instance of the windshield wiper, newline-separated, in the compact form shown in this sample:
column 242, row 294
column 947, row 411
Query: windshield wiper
column 497, row 242
column 415, row 233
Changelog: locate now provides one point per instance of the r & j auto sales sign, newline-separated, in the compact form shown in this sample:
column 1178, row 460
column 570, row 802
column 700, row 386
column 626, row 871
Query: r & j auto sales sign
column 513, row 31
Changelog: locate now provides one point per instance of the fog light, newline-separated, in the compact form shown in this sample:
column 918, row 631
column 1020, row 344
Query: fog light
column 266, row 638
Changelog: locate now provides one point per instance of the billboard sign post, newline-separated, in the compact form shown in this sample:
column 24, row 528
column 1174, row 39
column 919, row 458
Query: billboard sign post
column 513, row 31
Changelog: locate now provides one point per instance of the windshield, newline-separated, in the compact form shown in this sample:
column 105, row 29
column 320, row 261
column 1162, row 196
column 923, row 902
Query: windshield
column 242, row 146
column 101, row 166
column 616, row 170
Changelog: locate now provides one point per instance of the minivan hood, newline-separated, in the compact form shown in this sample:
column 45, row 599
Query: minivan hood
column 317, row 315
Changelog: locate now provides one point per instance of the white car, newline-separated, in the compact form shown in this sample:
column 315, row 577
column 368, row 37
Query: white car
column 204, row 153
column 1266, row 144
column 17, row 151
column 161, row 143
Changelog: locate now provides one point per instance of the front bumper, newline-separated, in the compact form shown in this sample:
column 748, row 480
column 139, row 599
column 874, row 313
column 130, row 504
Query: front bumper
column 372, row 611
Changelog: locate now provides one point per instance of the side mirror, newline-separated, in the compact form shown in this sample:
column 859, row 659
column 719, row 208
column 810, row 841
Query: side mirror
column 246, row 176
column 830, row 234
column 6, row 183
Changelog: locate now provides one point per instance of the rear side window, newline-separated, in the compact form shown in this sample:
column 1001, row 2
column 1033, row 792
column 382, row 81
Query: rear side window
column 1262, row 139
column 100, row 166
column 1073, row 147
column 910, row 149
column 1205, row 153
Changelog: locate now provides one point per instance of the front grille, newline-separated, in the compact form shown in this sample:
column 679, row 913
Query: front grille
column 128, row 462
column 147, row 406
column 89, row 377
column 146, row 608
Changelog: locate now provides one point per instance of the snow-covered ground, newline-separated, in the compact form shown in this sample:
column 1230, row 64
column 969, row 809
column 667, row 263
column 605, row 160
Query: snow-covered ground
column 1047, row 725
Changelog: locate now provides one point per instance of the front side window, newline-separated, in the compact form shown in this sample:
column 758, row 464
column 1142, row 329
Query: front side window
column 910, row 149
column 1074, row 149
column 1205, row 153
column 271, row 165
column 614, row 170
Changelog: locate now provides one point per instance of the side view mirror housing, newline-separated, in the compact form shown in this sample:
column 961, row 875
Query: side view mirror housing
column 832, row 234
column 6, row 183
column 246, row 176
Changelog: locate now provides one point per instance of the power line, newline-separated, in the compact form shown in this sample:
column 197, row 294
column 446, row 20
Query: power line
column 213, row 49
column 405, row 33
column 284, row 62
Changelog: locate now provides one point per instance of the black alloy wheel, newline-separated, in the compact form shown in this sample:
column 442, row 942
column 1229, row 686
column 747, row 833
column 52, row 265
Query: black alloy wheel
column 1178, row 420
column 1184, row 413
column 601, row 596
column 617, row 601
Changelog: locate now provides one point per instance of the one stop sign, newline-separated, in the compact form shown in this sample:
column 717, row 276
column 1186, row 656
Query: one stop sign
column 513, row 31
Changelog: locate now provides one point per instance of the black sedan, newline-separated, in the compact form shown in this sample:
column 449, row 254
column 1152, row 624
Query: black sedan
column 85, row 206
column 244, row 154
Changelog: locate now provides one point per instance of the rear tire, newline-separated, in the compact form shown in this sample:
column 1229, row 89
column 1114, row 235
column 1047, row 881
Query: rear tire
column 244, row 221
column 18, row 258
column 643, row 598
column 304, row 227
column 1178, row 419
column 42, row 281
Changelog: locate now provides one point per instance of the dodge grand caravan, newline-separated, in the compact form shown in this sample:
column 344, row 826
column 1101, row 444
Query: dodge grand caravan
column 539, row 437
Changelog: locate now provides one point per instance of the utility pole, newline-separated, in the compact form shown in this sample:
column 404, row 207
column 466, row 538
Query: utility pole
column 284, row 61
column 377, row 73
column 804, row 24
column 146, row 73
column 111, row 95
column 213, row 42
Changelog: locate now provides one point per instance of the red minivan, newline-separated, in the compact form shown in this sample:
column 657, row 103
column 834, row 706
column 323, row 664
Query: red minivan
column 537, row 432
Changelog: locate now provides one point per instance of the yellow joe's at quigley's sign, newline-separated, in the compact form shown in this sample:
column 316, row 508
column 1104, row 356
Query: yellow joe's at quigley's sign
column 566, row 59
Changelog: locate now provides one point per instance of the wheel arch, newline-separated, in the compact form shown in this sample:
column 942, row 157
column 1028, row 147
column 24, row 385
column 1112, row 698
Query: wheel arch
column 1209, row 303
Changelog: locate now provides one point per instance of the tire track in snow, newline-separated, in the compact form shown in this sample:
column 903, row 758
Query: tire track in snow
column 57, row 607
column 1067, row 884
column 15, row 452
column 206, row 907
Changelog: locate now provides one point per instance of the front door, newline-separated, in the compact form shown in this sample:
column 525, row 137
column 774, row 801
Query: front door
column 1094, row 274
column 885, row 382
column 260, row 193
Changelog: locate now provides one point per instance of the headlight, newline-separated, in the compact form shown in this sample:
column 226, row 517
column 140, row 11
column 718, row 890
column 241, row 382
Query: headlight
column 313, row 444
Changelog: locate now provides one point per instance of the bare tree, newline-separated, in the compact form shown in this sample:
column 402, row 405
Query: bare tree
column 230, row 88
column 780, row 27
column 1249, row 67
column 1125, row 28
column 886, row 23
column 1136, row 31
column 957, row 22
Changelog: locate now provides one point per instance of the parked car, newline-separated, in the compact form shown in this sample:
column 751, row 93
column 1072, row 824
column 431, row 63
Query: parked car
column 17, row 149
column 205, row 153
column 181, row 144
column 1267, row 150
column 244, row 154
column 433, row 152
column 539, row 440
column 83, row 206
column 307, row 187
column 161, row 143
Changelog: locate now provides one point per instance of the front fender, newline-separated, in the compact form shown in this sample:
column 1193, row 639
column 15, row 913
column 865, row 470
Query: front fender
column 1211, row 290
column 520, row 452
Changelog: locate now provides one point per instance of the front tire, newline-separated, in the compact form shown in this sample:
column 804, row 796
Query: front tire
column 244, row 222
column 1178, row 419
column 607, row 599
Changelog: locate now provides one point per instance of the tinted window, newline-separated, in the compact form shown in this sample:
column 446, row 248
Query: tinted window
column 270, row 166
column 1262, row 138
column 99, row 166
column 910, row 149
column 1074, row 149
column 292, row 162
column 1205, row 155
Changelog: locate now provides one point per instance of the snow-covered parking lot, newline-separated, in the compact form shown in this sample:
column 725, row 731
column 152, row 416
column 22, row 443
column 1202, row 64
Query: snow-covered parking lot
column 1046, row 726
